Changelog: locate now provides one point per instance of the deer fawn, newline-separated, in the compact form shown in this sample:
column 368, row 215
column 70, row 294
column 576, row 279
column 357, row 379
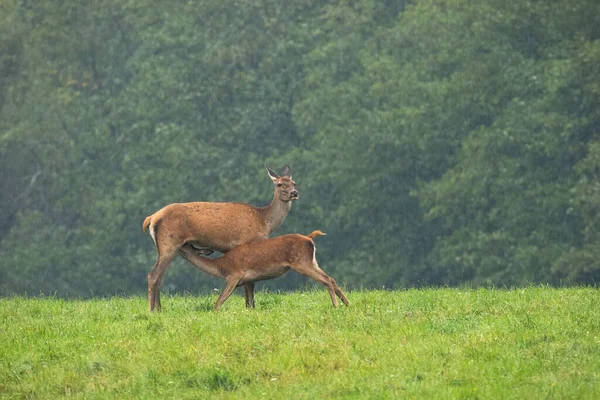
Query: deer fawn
column 214, row 226
column 265, row 259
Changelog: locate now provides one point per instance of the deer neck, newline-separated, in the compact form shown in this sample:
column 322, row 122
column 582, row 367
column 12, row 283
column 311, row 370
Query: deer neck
column 276, row 212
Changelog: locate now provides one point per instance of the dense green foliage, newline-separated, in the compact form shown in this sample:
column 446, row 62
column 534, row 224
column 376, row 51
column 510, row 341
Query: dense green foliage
column 437, row 143
column 536, row 342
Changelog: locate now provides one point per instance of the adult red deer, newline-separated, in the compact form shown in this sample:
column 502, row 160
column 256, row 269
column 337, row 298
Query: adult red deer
column 214, row 226
column 265, row 259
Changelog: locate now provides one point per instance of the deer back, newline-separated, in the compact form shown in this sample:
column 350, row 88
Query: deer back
column 219, row 226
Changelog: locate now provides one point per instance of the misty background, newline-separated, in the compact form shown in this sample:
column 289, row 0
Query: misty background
column 436, row 142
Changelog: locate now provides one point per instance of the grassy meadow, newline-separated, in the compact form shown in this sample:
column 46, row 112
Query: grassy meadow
column 536, row 343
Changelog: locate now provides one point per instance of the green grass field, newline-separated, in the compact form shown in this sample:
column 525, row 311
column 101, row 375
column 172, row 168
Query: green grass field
column 535, row 343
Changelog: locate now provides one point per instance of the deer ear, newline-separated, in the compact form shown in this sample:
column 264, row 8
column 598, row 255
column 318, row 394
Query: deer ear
column 287, row 171
column 272, row 174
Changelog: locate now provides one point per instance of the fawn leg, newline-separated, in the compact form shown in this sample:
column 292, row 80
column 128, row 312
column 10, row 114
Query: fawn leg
column 249, row 292
column 230, row 285
column 313, row 271
column 339, row 292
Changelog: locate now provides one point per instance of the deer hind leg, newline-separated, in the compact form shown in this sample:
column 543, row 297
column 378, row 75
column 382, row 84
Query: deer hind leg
column 231, row 283
column 166, row 254
column 313, row 271
column 249, row 292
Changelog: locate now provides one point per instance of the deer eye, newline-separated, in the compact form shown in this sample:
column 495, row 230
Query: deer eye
column 279, row 184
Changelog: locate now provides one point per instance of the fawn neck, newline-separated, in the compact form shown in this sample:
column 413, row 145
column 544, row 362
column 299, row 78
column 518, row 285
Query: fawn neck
column 214, row 267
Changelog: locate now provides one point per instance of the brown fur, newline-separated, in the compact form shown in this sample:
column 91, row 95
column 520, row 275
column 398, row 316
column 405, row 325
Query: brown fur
column 213, row 226
column 262, row 260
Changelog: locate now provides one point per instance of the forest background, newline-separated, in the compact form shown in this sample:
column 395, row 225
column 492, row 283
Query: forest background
column 436, row 142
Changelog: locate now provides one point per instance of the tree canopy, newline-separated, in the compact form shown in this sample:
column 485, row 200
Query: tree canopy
column 437, row 143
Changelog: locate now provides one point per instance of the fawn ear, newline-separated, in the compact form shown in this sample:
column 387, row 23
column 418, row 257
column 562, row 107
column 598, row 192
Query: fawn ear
column 287, row 171
column 272, row 174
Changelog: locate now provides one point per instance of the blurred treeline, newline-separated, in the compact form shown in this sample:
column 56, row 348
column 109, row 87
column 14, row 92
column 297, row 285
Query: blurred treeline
column 436, row 142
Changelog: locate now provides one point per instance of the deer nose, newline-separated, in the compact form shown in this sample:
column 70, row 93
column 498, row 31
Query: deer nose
column 294, row 193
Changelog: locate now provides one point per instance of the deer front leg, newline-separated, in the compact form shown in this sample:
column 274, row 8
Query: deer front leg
column 249, row 292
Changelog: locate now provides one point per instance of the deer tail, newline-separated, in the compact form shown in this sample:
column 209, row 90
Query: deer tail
column 316, row 233
column 146, row 223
